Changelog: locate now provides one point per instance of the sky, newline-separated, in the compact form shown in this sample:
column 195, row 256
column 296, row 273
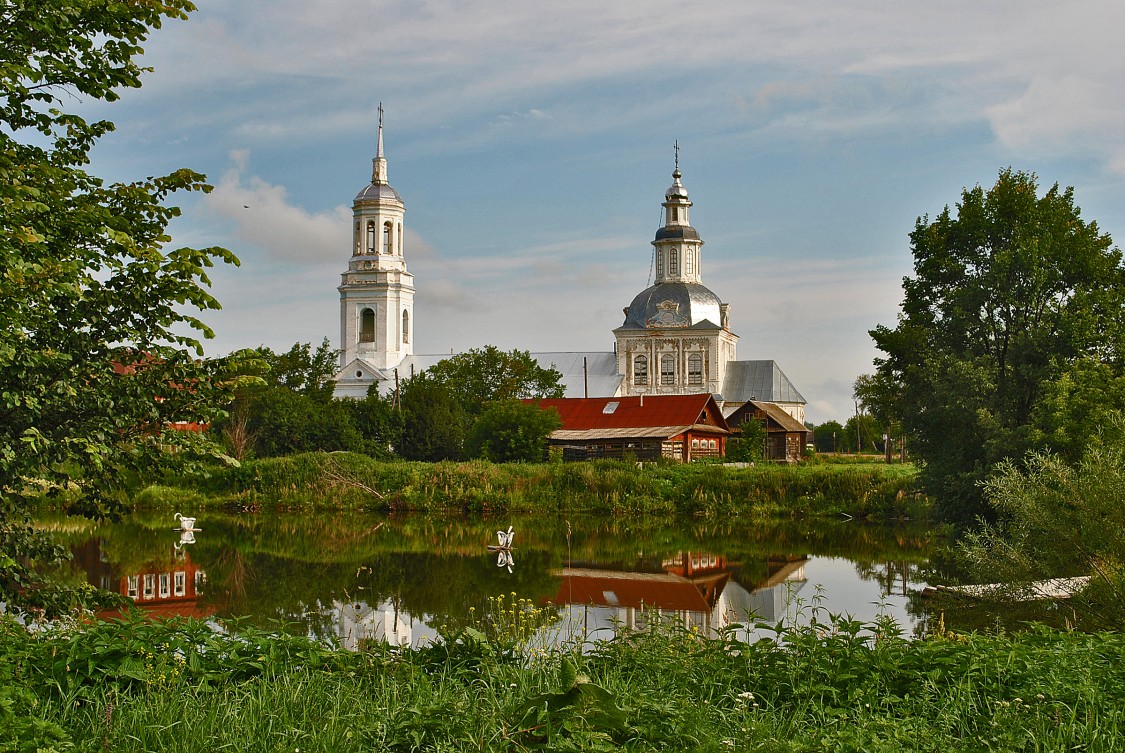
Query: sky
column 532, row 145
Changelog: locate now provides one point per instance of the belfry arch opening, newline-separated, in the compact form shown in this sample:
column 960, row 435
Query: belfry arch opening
column 367, row 326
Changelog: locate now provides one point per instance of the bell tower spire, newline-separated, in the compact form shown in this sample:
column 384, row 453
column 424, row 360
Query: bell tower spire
column 377, row 291
column 678, row 246
column 379, row 163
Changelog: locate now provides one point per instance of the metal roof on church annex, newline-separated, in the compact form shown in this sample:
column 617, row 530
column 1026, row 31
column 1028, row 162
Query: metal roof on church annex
column 759, row 380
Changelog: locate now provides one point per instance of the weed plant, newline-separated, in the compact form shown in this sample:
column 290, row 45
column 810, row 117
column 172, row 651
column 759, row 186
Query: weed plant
column 835, row 684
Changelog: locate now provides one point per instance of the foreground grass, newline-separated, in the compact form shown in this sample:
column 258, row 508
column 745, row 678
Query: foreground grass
column 138, row 686
column 350, row 481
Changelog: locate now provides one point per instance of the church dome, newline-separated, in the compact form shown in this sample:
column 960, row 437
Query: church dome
column 668, row 305
column 376, row 192
column 677, row 191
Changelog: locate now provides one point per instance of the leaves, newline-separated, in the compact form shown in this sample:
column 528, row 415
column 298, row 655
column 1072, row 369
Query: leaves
column 1007, row 296
column 99, row 343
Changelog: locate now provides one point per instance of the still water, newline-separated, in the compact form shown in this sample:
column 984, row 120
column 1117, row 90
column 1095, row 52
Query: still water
column 351, row 577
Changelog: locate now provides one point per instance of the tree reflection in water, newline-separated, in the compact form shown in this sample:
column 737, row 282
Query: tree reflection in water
column 355, row 576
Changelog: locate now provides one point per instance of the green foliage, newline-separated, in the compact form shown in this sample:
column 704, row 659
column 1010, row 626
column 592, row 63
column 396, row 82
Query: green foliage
column 1016, row 304
column 302, row 370
column 829, row 684
column 828, row 436
column 434, row 420
column 873, row 490
column 1057, row 519
column 287, row 422
column 97, row 317
column 750, row 444
column 510, row 431
column 485, row 375
column 861, row 434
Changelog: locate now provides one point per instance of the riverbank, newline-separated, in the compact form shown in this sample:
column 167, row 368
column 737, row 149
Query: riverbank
column 352, row 481
column 179, row 685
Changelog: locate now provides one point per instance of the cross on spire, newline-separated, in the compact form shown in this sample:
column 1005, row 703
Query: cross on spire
column 676, row 146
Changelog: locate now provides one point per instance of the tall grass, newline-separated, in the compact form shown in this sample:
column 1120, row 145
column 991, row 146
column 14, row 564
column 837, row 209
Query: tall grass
column 356, row 481
column 833, row 685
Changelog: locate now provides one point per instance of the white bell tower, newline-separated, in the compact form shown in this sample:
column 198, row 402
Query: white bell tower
column 376, row 293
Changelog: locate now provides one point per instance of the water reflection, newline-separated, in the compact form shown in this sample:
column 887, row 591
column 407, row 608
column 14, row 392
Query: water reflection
column 350, row 578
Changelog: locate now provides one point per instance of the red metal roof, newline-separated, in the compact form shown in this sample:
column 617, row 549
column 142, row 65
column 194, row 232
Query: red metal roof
column 657, row 410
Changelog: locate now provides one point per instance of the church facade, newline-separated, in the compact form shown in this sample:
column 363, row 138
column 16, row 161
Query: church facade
column 676, row 338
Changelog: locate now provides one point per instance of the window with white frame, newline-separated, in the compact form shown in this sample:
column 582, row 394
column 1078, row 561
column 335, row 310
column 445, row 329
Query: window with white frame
column 695, row 368
column 640, row 370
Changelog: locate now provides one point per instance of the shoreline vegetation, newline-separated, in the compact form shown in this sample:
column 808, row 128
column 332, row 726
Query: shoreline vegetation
column 833, row 684
column 340, row 480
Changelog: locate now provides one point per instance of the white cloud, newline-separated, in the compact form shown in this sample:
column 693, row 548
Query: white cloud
column 263, row 216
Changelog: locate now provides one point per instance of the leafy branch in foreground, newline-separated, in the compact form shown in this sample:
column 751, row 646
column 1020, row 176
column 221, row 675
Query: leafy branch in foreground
column 100, row 353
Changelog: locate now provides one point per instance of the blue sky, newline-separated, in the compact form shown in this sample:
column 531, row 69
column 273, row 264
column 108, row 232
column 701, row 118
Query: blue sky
column 532, row 145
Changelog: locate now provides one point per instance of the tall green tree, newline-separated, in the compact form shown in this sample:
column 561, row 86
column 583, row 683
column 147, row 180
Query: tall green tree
column 99, row 333
column 485, row 375
column 434, row 421
column 1015, row 300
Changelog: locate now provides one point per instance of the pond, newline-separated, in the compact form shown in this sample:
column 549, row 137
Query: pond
column 352, row 577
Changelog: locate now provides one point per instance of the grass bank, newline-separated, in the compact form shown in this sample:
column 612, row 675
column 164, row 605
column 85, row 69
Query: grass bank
column 180, row 686
column 351, row 481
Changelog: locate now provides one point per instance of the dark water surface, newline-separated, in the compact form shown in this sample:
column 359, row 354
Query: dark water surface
column 351, row 577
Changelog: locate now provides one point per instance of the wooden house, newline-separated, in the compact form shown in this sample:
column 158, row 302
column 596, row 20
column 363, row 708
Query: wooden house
column 785, row 435
column 684, row 427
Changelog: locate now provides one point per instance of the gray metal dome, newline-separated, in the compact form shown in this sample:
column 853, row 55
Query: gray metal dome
column 674, row 304
column 376, row 192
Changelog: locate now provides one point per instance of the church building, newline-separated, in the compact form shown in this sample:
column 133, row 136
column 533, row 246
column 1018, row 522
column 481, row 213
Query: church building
column 676, row 338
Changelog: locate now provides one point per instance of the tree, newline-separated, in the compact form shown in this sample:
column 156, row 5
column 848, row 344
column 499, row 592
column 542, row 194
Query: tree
column 511, row 431
column 378, row 421
column 303, row 370
column 434, row 423
column 1012, row 299
column 485, row 375
column 97, row 317
column 749, row 444
column 827, row 436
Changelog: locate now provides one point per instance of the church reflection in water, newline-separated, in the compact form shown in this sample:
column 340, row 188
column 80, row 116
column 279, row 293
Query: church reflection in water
column 692, row 589
column 403, row 598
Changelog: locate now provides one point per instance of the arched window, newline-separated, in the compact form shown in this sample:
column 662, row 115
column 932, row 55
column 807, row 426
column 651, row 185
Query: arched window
column 640, row 370
column 675, row 214
column 371, row 236
column 388, row 230
column 659, row 265
column 358, row 239
column 695, row 369
column 689, row 261
column 367, row 326
column 406, row 326
column 673, row 262
column 667, row 369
